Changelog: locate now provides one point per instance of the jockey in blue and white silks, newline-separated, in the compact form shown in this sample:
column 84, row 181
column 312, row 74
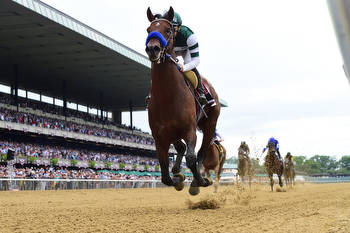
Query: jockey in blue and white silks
column 277, row 145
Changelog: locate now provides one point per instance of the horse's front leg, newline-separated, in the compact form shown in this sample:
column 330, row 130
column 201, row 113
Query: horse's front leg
column 271, row 181
column 163, row 157
column 181, row 149
column 280, row 180
column 191, row 162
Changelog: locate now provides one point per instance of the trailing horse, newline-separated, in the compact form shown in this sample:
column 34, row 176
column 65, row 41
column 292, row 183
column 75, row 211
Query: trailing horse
column 273, row 165
column 245, row 167
column 289, row 172
column 172, row 107
column 214, row 160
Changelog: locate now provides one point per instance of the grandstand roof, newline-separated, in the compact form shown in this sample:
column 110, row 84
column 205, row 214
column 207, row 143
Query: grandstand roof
column 50, row 46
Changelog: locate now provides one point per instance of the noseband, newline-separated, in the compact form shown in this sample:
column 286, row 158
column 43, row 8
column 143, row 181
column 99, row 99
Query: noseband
column 163, row 42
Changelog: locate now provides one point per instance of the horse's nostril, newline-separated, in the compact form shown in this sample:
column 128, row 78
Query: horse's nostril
column 156, row 49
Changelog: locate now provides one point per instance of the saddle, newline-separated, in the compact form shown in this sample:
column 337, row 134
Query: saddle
column 191, row 79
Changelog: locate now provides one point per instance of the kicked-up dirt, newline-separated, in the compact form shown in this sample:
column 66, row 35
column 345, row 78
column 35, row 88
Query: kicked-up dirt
column 304, row 208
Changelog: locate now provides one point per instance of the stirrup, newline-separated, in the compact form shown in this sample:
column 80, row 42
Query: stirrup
column 202, row 99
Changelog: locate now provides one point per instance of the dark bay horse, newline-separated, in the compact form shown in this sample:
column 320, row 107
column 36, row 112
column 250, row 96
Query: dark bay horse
column 214, row 160
column 273, row 165
column 172, row 108
column 245, row 167
column 289, row 172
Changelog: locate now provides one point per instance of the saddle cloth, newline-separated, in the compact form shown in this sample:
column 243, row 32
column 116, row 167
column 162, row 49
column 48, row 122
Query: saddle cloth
column 221, row 151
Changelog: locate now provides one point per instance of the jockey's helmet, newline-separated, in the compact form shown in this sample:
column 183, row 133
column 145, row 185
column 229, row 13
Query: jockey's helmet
column 288, row 153
column 177, row 21
column 271, row 139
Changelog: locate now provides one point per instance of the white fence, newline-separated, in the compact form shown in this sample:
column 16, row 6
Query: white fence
column 71, row 184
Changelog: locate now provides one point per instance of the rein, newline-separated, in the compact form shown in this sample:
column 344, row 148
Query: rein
column 163, row 42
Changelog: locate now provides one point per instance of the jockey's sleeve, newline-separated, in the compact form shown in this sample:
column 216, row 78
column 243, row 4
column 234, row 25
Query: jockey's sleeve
column 264, row 149
column 277, row 146
column 192, row 44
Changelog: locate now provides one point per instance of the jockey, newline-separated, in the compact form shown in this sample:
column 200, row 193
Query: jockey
column 274, row 142
column 245, row 148
column 186, row 45
column 289, row 156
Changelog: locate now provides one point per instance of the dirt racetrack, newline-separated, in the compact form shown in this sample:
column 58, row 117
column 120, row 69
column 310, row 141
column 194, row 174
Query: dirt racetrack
column 305, row 208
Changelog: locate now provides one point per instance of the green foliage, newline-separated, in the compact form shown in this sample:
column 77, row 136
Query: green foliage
column 232, row 160
column 259, row 168
column 54, row 161
column 157, row 168
column 92, row 164
column 74, row 162
column 3, row 157
column 322, row 164
column 108, row 164
column 32, row 159
column 122, row 165
column 135, row 166
column 344, row 163
column 146, row 167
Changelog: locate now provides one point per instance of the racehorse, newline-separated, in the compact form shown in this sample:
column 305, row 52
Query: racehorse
column 214, row 160
column 273, row 165
column 289, row 172
column 245, row 167
column 172, row 108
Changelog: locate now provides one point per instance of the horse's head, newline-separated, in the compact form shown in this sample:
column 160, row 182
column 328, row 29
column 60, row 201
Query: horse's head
column 160, row 34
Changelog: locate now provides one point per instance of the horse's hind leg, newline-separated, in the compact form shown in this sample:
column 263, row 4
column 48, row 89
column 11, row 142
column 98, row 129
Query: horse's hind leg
column 208, row 129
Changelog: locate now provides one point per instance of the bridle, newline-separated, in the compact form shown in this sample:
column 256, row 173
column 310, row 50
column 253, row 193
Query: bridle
column 163, row 52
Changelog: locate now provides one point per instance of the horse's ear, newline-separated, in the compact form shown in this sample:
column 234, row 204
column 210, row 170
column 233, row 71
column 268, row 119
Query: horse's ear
column 150, row 15
column 170, row 14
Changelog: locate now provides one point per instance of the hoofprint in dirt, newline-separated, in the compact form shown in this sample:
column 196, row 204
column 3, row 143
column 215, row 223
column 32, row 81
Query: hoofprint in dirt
column 304, row 208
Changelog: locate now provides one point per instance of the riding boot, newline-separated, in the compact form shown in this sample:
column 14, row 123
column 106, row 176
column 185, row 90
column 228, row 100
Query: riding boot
column 201, row 97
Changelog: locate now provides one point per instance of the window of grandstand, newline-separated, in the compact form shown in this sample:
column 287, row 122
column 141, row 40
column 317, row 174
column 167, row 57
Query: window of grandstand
column 71, row 105
column 82, row 108
column 93, row 111
column 109, row 115
column 59, row 102
column 47, row 99
column 22, row 93
column 33, row 96
column 5, row 89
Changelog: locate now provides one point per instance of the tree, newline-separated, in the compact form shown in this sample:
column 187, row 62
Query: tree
column 299, row 163
column 344, row 164
column 326, row 162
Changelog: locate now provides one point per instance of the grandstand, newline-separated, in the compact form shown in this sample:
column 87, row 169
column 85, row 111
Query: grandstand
column 64, row 87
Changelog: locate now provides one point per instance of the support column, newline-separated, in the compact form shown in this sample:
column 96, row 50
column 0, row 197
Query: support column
column 130, row 107
column 15, row 82
column 101, row 104
column 117, row 117
column 64, row 90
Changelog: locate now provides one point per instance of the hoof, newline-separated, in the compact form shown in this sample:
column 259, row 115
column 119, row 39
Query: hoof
column 194, row 191
column 179, row 183
column 179, row 186
column 207, row 182
column 180, row 177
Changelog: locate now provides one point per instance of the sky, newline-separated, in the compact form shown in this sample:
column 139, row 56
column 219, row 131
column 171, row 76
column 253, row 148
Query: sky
column 276, row 63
